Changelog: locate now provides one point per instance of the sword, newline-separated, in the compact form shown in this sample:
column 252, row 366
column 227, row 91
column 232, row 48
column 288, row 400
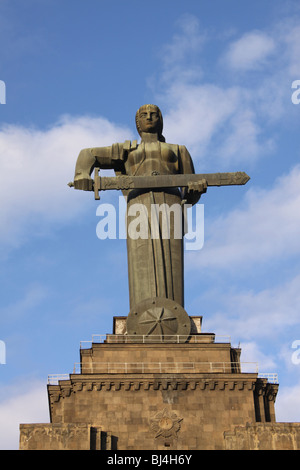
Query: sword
column 157, row 181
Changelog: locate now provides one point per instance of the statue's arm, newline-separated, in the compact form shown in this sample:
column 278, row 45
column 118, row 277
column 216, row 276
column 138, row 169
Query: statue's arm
column 192, row 193
column 101, row 157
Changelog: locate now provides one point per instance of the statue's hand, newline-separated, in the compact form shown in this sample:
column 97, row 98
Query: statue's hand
column 194, row 191
column 199, row 187
column 83, row 182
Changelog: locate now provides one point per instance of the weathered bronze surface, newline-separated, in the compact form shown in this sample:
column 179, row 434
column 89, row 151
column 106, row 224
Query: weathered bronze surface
column 106, row 183
column 159, row 318
column 152, row 173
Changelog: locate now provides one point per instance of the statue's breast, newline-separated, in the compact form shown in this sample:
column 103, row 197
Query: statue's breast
column 149, row 158
column 169, row 153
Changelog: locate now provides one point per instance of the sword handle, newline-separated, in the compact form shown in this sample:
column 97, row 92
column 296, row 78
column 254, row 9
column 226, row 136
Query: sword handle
column 96, row 184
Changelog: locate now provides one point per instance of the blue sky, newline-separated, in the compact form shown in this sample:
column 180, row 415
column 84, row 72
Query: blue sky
column 75, row 74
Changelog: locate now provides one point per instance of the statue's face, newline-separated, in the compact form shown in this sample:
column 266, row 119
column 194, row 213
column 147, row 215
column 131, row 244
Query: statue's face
column 149, row 119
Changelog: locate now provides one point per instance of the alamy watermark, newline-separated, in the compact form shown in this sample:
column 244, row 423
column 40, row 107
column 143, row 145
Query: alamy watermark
column 296, row 94
column 296, row 353
column 2, row 352
column 2, row 92
column 155, row 221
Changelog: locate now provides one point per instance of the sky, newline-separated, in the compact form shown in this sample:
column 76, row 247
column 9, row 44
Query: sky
column 224, row 75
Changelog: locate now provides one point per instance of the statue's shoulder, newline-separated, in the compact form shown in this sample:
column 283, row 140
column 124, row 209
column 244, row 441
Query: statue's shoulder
column 129, row 145
column 176, row 148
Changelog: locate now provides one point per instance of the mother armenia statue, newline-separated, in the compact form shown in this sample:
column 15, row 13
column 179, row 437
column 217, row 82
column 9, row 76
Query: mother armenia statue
column 155, row 265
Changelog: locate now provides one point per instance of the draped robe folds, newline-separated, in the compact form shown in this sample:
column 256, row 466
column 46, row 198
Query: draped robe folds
column 155, row 265
column 156, row 261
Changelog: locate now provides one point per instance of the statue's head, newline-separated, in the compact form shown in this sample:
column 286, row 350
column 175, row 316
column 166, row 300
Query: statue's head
column 148, row 118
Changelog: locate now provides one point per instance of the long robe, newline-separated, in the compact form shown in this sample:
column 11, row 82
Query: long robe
column 156, row 265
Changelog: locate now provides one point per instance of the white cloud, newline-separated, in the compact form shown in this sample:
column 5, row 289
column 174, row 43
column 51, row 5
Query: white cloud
column 287, row 406
column 273, row 58
column 29, row 406
column 216, row 122
column 244, row 138
column 36, row 166
column 266, row 227
column 208, row 116
column 288, row 37
column 184, row 48
column 235, row 123
column 266, row 314
column 250, row 51
column 251, row 354
column 187, row 40
column 195, row 114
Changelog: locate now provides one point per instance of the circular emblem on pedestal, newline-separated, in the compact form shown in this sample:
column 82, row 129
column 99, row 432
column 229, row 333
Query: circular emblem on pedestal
column 159, row 319
column 165, row 424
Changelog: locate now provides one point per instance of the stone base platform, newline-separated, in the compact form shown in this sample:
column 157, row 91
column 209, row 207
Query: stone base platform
column 152, row 395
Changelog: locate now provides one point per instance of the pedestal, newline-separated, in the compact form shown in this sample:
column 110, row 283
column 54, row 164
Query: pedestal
column 141, row 393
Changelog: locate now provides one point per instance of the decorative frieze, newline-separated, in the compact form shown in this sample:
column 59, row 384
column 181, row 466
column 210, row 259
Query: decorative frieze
column 264, row 436
column 148, row 384
column 58, row 436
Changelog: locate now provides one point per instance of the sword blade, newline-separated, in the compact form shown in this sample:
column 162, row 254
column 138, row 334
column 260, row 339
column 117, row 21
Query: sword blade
column 168, row 181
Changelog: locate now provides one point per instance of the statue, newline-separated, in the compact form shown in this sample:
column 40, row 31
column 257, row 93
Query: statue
column 159, row 175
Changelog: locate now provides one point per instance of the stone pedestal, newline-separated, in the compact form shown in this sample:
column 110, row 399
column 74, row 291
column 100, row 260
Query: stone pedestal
column 142, row 394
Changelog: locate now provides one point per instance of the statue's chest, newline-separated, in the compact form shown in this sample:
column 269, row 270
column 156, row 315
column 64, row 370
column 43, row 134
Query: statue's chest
column 152, row 157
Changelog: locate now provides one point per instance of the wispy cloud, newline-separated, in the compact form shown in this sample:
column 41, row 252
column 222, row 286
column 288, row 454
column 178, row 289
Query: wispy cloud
column 37, row 165
column 288, row 404
column 180, row 58
column 17, row 407
column 258, row 314
column 196, row 112
column 230, row 108
column 249, row 52
column 266, row 227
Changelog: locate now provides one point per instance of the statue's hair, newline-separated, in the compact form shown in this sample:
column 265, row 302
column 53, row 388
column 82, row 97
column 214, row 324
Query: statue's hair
column 142, row 108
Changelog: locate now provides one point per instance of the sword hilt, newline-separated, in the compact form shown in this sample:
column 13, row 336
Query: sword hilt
column 96, row 184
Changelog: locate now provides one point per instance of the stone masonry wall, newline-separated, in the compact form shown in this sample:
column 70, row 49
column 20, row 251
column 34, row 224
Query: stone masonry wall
column 157, row 412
